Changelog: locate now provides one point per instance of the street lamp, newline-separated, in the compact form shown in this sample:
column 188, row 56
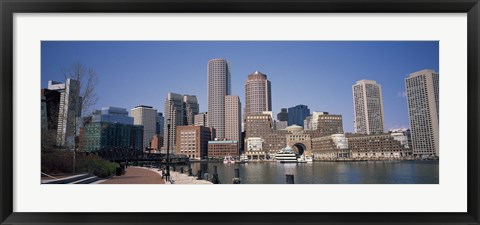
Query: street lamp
column 167, row 175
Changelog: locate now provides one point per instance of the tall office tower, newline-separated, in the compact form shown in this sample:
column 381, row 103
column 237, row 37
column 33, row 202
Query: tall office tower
column 112, row 115
column 219, row 85
column 297, row 114
column 201, row 119
column 233, row 123
column 283, row 115
column 258, row 94
column 69, row 111
column 422, row 96
column 147, row 117
column 160, row 124
column 191, row 109
column 368, row 107
column 174, row 112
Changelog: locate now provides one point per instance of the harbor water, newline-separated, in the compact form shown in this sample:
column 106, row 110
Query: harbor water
column 363, row 172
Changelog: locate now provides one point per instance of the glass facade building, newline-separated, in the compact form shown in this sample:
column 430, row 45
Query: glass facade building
column 102, row 136
column 112, row 115
column 297, row 114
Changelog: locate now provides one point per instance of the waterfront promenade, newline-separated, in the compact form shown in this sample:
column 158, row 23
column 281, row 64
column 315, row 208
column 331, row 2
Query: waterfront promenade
column 136, row 175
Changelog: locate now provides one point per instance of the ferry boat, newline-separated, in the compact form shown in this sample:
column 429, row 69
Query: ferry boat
column 286, row 155
column 228, row 159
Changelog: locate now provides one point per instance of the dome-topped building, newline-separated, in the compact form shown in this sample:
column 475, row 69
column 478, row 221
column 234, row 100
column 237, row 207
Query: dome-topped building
column 294, row 128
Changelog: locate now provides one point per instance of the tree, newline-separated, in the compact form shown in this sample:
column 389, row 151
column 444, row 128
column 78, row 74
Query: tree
column 88, row 80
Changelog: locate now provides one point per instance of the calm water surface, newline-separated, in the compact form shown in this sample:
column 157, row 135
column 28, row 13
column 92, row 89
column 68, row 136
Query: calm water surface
column 389, row 172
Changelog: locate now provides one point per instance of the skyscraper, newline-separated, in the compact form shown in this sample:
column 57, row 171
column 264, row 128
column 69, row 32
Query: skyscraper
column 422, row 89
column 219, row 85
column 68, row 111
column 147, row 117
column 233, row 123
column 191, row 108
column 297, row 114
column 368, row 107
column 258, row 94
column 283, row 115
column 174, row 111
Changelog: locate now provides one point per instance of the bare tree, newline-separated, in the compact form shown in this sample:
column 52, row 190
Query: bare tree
column 88, row 82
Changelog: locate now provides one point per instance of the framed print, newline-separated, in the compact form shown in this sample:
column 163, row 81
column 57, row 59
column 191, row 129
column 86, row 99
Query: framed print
column 199, row 112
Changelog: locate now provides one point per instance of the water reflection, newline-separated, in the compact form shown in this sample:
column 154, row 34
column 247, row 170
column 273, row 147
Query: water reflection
column 399, row 172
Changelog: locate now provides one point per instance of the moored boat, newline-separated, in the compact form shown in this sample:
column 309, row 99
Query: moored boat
column 228, row 159
column 286, row 155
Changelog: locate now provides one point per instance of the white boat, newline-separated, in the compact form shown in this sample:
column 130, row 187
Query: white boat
column 228, row 159
column 286, row 155
column 243, row 158
column 305, row 159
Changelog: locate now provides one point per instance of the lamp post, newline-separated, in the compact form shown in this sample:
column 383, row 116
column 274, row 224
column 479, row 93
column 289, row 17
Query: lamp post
column 167, row 174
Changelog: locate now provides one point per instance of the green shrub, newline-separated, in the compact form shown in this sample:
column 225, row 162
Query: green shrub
column 97, row 166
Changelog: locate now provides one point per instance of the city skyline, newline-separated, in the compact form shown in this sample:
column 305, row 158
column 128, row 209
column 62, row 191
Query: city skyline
column 297, row 77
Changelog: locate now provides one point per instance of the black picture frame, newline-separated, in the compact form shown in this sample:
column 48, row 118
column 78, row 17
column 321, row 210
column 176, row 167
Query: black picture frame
column 10, row 7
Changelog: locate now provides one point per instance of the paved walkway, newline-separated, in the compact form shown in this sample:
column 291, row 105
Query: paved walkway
column 137, row 175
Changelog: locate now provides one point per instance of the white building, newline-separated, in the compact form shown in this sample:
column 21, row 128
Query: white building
column 69, row 111
column 422, row 89
column 368, row 107
column 255, row 149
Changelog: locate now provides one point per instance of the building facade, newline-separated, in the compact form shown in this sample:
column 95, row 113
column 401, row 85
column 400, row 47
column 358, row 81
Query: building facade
column 192, row 141
column 323, row 123
column 201, row 119
column 282, row 115
column 297, row 114
column 160, row 125
column 104, row 136
column 368, row 107
column 254, row 149
column 233, row 120
column 220, row 149
column 157, row 142
column 281, row 125
column 377, row 146
column 330, row 147
column 219, row 86
column 69, row 111
column 174, row 115
column 50, row 105
column 422, row 89
column 112, row 115
column 146, row 116
column 191, row 109
column 258, row 125
column 258, row 94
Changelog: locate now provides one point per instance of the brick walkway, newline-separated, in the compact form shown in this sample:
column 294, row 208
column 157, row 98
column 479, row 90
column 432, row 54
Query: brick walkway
column 136, row 175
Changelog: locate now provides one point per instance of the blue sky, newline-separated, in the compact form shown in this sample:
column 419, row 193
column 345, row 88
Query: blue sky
column 319, row 74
